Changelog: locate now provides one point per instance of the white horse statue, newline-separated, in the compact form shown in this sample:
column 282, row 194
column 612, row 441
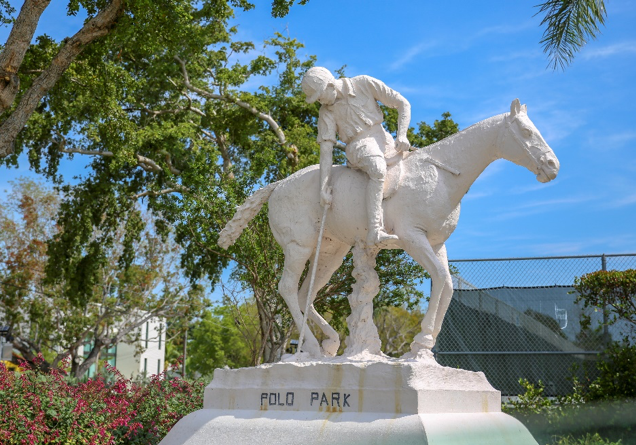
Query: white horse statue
column 423, row 213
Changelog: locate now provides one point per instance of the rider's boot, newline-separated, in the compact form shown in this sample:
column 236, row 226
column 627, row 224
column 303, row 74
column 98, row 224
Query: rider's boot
column 376, row 234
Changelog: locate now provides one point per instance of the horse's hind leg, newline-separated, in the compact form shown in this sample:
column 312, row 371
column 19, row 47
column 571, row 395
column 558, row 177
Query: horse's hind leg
column 331, row 255
column 296, row 257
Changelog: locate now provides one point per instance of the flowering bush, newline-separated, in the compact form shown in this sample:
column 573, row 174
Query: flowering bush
column 158, row 406
column 39, row 408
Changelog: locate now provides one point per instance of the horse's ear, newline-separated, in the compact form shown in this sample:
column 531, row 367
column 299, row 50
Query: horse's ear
column 524, row 108
column 515, row 108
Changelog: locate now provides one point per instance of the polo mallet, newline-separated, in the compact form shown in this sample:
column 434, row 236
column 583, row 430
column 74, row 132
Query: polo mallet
column 313, row 276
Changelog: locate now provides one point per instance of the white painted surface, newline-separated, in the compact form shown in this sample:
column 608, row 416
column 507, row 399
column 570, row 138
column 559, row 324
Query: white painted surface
column 387, row 402
column 216, row 427
column 339, row 386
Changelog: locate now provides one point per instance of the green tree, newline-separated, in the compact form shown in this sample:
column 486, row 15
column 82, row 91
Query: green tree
column 113, row 26
column 169, row 121
column 43, row 316
column 216, row 342
column 397, row 327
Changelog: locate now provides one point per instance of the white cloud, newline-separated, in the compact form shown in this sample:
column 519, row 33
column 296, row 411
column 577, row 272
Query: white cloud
column 616, row 243
column 452, row 44
column 534, row 187
column 517, row 55
column 476, row 195
column 538, row 207
column 560, row 248
column 557, row 124
column 411, row 53
column 556, row 201
column 622, row 48
column 623, row 202
column 612, row 141
column 505, row 29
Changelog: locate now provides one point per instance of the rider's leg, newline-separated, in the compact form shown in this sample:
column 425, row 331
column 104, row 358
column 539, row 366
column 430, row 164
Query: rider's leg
column 375, row 167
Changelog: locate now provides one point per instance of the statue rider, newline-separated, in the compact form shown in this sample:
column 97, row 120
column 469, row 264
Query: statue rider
column 349, row 107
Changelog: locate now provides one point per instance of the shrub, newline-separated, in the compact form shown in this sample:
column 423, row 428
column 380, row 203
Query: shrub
column 617, row 374
column 40, row 408
column 588, row 439
column 572, row 419
column 158, row 407
column 614, row 288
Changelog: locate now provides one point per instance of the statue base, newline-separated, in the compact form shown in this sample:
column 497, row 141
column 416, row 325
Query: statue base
column 348, row 401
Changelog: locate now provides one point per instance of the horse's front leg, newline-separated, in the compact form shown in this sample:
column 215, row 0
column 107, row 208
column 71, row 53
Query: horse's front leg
column 447, row 292
column 433, row 259
column 330, row 258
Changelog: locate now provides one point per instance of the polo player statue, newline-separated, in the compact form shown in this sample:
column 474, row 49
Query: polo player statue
column 349, row 109
column 417, row 211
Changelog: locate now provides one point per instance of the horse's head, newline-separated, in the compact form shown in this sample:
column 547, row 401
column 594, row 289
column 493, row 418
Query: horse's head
column 521, row 143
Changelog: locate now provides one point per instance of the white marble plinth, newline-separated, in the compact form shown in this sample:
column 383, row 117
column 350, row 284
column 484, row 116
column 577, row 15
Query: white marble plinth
column 340, row 402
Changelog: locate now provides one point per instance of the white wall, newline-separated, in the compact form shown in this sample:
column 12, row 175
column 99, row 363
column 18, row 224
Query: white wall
column 153, row 343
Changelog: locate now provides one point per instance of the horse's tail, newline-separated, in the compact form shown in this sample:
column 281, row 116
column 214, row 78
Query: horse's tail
column 244, row 214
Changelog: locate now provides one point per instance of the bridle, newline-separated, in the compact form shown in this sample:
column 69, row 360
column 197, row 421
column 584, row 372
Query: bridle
column 542, row 159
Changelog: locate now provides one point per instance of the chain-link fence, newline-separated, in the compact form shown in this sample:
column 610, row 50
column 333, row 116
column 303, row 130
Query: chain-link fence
column 517, row 318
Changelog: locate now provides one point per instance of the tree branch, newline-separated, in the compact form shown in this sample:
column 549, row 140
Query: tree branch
column 17, row 44
column 144, row 162
column 97, row 27
column 221, row 141
column 291, row 150
column 177, row 189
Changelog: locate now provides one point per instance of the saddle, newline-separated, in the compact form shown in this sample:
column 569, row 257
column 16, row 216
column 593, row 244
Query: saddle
column 394, row 171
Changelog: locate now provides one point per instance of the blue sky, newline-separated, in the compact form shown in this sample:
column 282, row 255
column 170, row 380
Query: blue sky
column 472, row 59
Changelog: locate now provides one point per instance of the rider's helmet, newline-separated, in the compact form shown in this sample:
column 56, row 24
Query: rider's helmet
column 315, row 81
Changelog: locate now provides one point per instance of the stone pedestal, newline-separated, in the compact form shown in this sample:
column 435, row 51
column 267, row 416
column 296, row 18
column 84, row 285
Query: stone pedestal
column 349, row 402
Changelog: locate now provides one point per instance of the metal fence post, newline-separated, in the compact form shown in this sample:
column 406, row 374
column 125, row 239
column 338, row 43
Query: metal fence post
column 605, row 314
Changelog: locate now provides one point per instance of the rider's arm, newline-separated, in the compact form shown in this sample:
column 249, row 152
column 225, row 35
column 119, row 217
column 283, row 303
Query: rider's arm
column 393, row 99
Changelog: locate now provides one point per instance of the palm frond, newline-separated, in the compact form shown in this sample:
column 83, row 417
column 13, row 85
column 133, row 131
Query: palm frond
column 569, row 25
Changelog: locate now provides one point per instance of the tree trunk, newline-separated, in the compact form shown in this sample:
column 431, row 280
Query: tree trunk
column 273, row 336
column 97, row 27
column 30, row 352
column 74, row 362
column 15, row 48
column 92, row 358
column 225, row 155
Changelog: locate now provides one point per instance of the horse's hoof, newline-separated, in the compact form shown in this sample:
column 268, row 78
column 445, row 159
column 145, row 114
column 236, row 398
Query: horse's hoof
column 422, row 356
column 422, row 342
column 330, row 347
column 312, row 349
